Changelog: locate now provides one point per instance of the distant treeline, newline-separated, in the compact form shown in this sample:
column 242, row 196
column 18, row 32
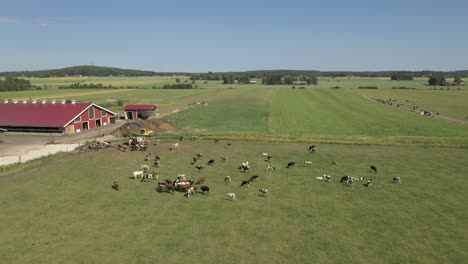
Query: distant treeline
column 177, row 86
column 80, row 70
column 401, row 77
column 86, row 86
column 288, row 80
column 14, row 84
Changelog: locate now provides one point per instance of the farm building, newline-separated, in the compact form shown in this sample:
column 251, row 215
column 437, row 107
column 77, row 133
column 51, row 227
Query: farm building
column 65, row 118
column 299, row 83
column 136, row 111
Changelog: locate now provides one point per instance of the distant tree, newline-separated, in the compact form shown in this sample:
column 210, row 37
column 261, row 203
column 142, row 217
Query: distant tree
column 177, row 80
column 193, row 81
column 457, row 79
column 401, row 76
column 437, row 79
column 120, row 102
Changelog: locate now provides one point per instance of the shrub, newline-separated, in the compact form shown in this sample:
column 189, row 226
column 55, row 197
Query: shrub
column 120, row 102
column 367, row 87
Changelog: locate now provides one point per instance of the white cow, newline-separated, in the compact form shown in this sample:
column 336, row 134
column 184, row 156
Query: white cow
column 269, row 167
column 227, row 179
column 174, row 146
column 307, row 163
column 230, row 196
column 137, row 174
column 264, row 192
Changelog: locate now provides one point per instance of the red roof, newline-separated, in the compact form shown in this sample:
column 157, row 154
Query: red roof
column 40, row 115
column 139, row 107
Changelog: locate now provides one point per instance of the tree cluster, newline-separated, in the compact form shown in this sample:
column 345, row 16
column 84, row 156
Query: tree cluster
column 14, row 84
column 401, row 77
column 231, row 79
column 288, row 80
column 178, row 86
column 437, row 79
column 86, row 86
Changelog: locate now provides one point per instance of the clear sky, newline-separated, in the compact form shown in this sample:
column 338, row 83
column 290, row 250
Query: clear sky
column 219, row 35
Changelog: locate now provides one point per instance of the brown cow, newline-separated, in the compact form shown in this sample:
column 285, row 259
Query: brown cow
column 200, row 181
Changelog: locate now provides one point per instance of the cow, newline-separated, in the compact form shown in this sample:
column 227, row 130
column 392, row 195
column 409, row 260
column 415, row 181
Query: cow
column 373, row 168
column 147, row 157
column 253, row 178
column 227, row 179
column 205, row 189
column 174, row 146
column 137, row 174
column 225, row 159
column 264, row 192
column 200, row 181
column 228, row 145
column 268, row 158
column 144, row 167
column 199, row 168
column 210, row 162
column 334, row 162
column 199, row 155
column 115, row 186
column 245, row 184
column 368, row 183
column 230, row 196
column 396, row 180
column 312, row 148
column 290, row 164
column 325, row 178
column 307, row 163
column 269, row 167
column 156, row 163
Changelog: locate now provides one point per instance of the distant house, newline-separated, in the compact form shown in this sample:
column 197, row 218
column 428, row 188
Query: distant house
column 299, row 83
column 142, row 111
column 53, row 118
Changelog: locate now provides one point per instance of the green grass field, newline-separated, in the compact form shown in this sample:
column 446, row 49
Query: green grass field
column 61, row 210
column 448, row 102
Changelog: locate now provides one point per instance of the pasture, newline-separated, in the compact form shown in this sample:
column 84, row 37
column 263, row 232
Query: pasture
column 447, row 102
column 62, row 209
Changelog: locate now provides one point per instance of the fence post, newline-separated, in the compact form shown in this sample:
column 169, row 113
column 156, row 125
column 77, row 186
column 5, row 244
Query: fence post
column 19, row 158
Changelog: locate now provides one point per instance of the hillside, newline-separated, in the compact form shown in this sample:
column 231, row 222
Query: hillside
column 80, row 70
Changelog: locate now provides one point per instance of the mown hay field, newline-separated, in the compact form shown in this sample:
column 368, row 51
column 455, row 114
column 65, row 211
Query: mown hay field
column 63, row 209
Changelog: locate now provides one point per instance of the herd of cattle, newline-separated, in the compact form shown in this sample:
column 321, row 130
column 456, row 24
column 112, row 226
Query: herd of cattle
column 190, row 187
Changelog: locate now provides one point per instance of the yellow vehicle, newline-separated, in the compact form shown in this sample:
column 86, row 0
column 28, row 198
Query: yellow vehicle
column 141, row 130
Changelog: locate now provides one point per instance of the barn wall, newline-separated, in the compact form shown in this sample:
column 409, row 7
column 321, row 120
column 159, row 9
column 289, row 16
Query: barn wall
column 92, row 122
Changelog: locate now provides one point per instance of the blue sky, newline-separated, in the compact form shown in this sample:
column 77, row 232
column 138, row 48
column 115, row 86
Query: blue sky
column 200, row 36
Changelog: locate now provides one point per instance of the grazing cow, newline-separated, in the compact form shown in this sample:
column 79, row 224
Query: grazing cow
column 181, row 177
column 154, row 175
column 396, row 180
column 245, row 184
column 144, row 167
column 290, row 164
column 368, row 183
column 174, row 146
column 265, row 154
column 334, row 162
column 156, row 163
column 269, row 167
column 168, row 181
column 345, row 178
column 115, row 186
column 137, row 174
column 199, row 155
column 181, row 138
column 312, row 148
column 205, row 189
column 216, row 141
column 147, row 157
column 225, row 159
column 373, row 168
column 268, row 158
column 253, row 178
column 210, row 162
column 199, row 168
column 264, row 192
column 157, row 158
column 307, row 163
column 227, row 179
column 244, row 168
column 228, row 145
column 156, row 142
column 230, row 196
column 325, row 178
column 200, row 181
column 193, row 138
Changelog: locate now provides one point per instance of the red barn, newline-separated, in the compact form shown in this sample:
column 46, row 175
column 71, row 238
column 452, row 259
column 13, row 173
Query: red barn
column 53, row 118
column 135, row 111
